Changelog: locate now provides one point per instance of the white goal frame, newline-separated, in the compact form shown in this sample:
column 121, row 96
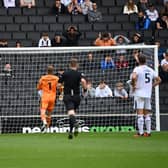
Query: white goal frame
column 68, row 49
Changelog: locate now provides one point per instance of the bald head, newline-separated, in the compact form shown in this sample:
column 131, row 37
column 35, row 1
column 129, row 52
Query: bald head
column 50, row 69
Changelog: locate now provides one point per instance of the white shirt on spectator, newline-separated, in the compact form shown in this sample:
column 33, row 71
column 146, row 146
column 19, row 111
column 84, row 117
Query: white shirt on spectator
column 9, row 3
column 163, row 62
column 152, row 15
column 66, row 2
column 128, row 11
column 105, row 92
column 44, row 43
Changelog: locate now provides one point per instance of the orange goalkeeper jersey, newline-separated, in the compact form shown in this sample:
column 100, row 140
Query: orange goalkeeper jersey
column 48, row 85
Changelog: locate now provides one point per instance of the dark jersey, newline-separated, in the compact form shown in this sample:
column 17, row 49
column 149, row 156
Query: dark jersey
column 71, row 79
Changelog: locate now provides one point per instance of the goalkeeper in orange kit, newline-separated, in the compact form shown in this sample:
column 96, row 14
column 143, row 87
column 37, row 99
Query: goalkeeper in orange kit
column 47, row 87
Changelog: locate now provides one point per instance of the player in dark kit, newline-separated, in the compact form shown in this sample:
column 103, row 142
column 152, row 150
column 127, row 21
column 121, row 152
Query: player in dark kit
column 72, row 79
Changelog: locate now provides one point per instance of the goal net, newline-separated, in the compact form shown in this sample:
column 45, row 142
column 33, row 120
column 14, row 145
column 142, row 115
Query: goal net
column 20, row 70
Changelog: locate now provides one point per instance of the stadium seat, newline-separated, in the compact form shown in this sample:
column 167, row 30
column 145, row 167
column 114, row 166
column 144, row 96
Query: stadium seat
column 78, row 19
column 5, row 35
column 163, row 33
column 56, row 27
column 6, row 19
column 3, row 12
column 35, row 19
column 49, row 19
column 114, row 26
column 27, row 11
column 2, row 27
column 103, row 10
column 12, row 27
column 27, row 27
column 64, row 19
column 20, row 19
column 122, row 18
column 115, row 10
column 49, row 3
column 84, row 43
column 85, row 27
column 40, row 3
column 91, row 35
column 108, row 3
column 41, row 27
column 133, row 18
column 128, row 26
column 108, row 19
column 43, row 11
column 120, row 3
column 14, row 11
column 33, row 36
column 99, row 27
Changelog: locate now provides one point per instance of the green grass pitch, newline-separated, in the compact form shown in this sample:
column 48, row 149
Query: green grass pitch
column 99, row 150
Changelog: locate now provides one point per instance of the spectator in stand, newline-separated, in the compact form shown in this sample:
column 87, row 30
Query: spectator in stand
column 27, row 3
column 153, row 15
column 94, row 15
column 162, row 22
column 57, row 41
column 72, row 35
column 143, row 22
column 119, row 91
column 103, row 90
column 3, row 43
column 44, row 41
column 143, row 5
column 107, row 62
column 86, row 6
column 164, row 68
column 121, row 62
column 18, row 44
column 121, row 40
column 137, row 39
column 89, row 63
column 58, row 8
column 164, row 62
column 9, row 3
column 104, row 39
column 165, row 9
column 161, row 51
column 66, row 2
column 74, row 8
column 130, row 7
column 90, row 90
column 7, row 73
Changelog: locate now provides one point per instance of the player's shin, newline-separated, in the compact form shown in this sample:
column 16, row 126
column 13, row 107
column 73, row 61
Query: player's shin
column 72, row 121
column 148, row 123
column 140, row 123
column 43, row 116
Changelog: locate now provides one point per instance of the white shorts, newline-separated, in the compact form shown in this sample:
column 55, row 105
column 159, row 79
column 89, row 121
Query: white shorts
column 142, row 103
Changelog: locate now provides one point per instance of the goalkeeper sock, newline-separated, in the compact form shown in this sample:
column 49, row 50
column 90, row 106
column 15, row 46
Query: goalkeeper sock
column 72, row 121
column 43, row 116
column 148, row 123
column 140, row 122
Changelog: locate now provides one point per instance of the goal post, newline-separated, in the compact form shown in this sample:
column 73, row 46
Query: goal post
column 19, row 101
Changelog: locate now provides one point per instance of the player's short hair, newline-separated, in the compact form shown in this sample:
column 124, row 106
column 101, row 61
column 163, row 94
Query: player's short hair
column 73, row 62
column 142, row 59
column 50, row 69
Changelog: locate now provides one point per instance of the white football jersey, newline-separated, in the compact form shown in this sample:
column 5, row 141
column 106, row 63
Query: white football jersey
column 145, row 76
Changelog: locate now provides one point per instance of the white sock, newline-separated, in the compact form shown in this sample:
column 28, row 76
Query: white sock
column 148, row 123
column 140, row 122
column 44, row 122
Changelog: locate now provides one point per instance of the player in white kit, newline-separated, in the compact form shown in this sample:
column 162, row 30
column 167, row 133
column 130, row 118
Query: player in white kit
column 143, row 78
